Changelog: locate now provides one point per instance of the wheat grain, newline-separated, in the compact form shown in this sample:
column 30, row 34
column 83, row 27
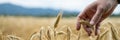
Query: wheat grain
column 51, row 33
column 48, row 33
column 61, row 33
column 59, row 16
column 87, row 23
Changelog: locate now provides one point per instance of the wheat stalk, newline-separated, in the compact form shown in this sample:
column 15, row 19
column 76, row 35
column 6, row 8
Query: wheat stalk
column 80, row 32
column 68, row 33
column 59, row 16
column 78, row 38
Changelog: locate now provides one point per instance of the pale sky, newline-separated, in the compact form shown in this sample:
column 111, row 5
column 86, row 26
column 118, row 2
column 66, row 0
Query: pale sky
column 57, row 4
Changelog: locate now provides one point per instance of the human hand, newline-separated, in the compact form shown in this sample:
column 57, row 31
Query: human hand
column 95, row 13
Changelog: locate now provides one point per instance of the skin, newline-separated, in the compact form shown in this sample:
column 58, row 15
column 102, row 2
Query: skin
column 95, row 13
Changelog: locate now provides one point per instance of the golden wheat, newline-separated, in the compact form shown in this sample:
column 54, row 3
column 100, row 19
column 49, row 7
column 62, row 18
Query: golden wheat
column 79, row 34
column 48, row 35
column 33, row 35
column 68, row 33
column 86, row 23
column 99, row 37
column 41, row 33
column 59, row 16
column 114, row 32
column 51, row 33
column 12, row 37
column 1, row 35
column 61, row 33
column 37, row 34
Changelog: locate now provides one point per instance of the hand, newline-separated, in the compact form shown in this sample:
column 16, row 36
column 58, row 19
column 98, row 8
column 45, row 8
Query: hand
column 95, row 13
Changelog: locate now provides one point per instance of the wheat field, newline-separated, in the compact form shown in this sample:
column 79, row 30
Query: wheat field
column 53, row 28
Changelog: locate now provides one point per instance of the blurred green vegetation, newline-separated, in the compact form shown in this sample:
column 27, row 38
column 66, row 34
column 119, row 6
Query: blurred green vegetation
column 67, row 15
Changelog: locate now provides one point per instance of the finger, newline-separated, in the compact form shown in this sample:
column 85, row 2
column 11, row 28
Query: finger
column 105, row 12
column 87, row 29
column 96, row 21
column 78, row 26
column 97, row 16
column 108, row 13
column 83, row 15
column 97, row 29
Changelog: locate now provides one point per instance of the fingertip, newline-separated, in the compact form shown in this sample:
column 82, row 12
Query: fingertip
column 78, row 26
column 92, row 22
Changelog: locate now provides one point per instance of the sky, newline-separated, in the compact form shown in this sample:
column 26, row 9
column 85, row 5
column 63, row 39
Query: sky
column 76, row 5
